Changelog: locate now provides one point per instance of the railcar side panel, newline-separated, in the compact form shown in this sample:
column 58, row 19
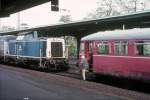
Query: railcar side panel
column 122, row 65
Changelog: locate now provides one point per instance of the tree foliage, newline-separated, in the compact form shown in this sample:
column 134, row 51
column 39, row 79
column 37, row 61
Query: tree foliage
column 116, row 7
column 65, row 18
column 6, row 28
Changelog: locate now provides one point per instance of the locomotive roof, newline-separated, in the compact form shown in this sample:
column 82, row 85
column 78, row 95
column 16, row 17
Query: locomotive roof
column 28, row 32
column 139, row 33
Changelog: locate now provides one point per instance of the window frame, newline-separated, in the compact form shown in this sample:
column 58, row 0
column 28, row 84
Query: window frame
column 104, row 42
column 59, row 46
column 121, row 42
column 135, row 48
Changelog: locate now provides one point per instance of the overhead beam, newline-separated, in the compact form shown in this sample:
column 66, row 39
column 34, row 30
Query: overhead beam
column 0, row 5
column 8, row 7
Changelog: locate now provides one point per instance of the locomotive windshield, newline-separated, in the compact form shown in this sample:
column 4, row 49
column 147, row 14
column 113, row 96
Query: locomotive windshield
column 56, row 49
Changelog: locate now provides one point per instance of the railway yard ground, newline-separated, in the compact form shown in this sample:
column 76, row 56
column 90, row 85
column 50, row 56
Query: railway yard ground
column 25, row 84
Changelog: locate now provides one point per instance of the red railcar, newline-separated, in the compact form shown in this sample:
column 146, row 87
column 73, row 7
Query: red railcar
column 120, row 52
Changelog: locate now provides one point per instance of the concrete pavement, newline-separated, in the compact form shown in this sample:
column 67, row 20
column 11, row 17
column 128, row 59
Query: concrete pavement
column 14, row 86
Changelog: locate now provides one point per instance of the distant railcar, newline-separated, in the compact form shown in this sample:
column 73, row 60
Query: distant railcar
column 4, row 45
column 28, row 49
column 121, row 52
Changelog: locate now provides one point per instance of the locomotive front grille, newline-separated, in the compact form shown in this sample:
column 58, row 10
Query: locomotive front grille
column 56, row 49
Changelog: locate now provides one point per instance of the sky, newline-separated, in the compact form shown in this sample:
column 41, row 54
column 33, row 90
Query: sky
column 42, row 14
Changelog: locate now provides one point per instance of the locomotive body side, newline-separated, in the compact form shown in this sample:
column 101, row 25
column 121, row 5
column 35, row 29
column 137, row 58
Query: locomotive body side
column 44, row 53
column 29, row 50
column 126, row 55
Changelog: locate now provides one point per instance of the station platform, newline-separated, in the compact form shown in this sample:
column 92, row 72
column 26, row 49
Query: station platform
column 24, row 84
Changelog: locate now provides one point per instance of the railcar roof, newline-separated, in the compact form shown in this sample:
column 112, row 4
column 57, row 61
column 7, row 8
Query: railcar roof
column 139, row 33
column 7, row 37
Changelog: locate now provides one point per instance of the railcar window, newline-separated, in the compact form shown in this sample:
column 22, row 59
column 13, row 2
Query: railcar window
column 120, row 48
column 102, row 48
column 142, row 48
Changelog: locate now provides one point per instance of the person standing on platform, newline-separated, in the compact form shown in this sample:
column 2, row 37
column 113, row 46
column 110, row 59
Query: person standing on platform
column 84, row 66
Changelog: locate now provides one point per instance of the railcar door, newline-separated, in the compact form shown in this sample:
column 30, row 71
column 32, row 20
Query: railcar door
column 89, row 53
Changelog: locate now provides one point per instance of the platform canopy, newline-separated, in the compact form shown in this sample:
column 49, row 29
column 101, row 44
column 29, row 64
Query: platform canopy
column 82, row 28
column 8, row 7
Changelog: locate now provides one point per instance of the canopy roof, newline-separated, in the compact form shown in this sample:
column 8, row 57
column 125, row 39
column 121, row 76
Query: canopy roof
column 82, row 28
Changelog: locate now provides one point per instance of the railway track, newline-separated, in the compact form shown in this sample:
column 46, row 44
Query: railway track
column 69, row 74
column 125, row 83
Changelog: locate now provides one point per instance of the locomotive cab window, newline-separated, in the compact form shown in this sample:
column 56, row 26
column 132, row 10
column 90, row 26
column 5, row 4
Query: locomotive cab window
column 56, row 49
column 102, row 47
column 142, row 48
column 120, row 48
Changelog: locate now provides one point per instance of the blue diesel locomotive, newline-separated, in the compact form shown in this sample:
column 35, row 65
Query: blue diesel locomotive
column 27, row 49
